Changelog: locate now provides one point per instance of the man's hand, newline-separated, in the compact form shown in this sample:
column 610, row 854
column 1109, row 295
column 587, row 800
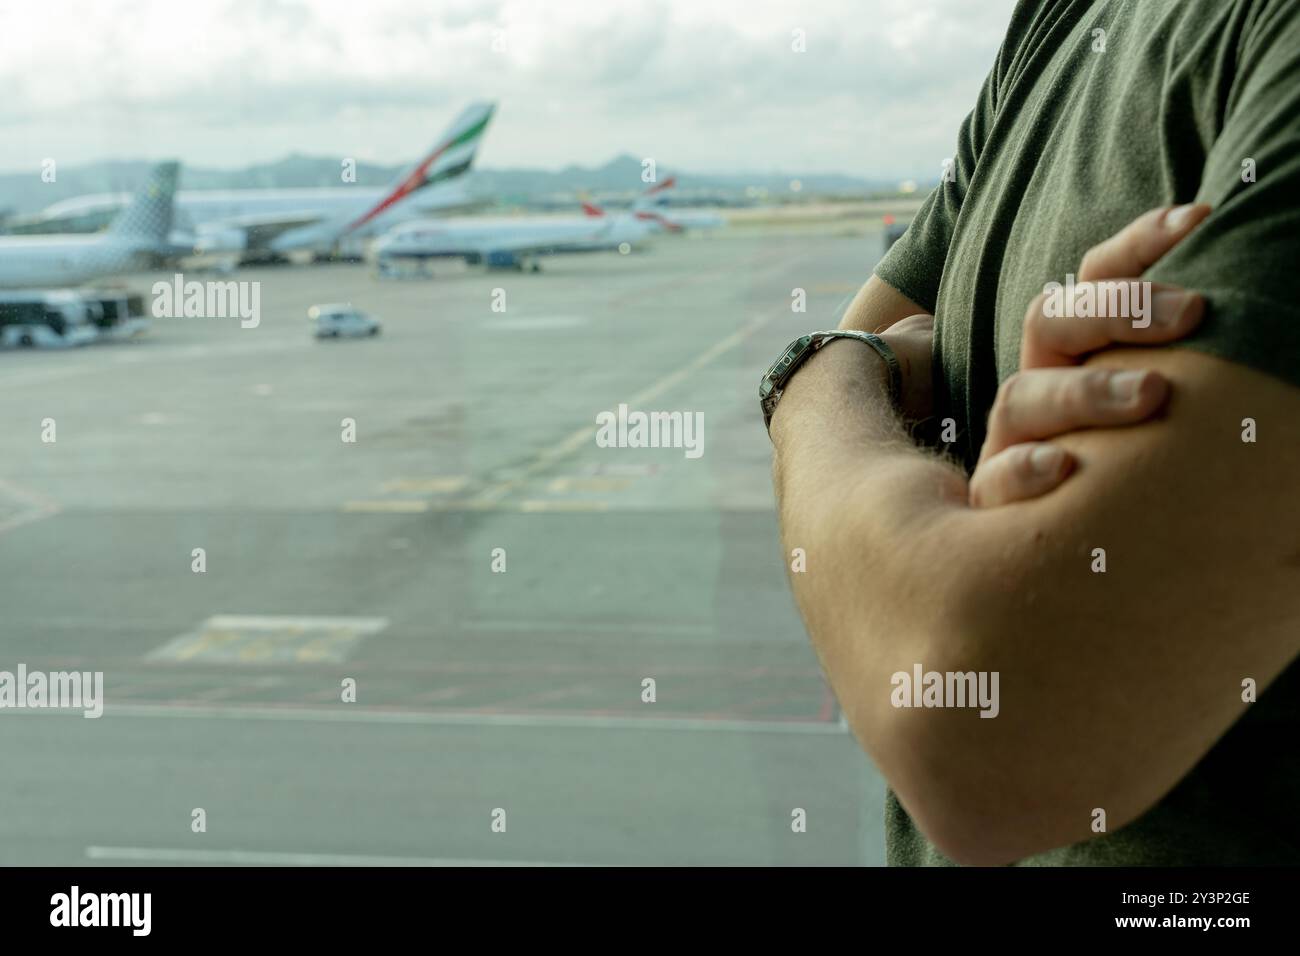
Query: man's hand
column 1051, row 395
column 912, row 340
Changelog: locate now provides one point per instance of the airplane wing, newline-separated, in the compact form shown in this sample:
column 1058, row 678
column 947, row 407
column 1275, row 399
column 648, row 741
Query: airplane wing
column 249, row 234
column 261, row 230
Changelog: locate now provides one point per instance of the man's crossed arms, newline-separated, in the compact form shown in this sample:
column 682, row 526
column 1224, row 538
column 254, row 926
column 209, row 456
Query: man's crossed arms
column 1113, row 685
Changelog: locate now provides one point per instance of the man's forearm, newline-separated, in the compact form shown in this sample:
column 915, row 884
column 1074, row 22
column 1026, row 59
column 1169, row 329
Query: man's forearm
column 901, row 571
column 896, row 575
column 851, row 485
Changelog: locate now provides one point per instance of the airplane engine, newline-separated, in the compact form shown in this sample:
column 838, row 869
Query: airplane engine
column 218, row 242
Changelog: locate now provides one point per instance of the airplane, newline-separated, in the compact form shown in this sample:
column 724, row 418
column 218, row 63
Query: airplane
column 133, row 241
column 266, row 225
column 440, row 172
column 631, row 227
column 508, row 242
column 687, row 220
column 516, row 242
column 644, row 208
column 652, row 206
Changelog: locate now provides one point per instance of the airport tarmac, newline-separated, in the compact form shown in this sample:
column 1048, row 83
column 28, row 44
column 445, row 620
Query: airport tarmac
column 326, row 561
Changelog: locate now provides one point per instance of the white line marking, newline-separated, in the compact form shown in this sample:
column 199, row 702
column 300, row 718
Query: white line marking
column 280, row 621
column 141, row 854
column 348, row 713
column 37, row 506
column 543, row 323
column 585, row 627
column 246, row 638
column 582, row 436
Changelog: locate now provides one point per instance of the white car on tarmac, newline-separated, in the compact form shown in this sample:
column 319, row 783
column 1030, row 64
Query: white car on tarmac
column 342, row 321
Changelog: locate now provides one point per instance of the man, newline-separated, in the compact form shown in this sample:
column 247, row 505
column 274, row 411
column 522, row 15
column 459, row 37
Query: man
column 1117, row 548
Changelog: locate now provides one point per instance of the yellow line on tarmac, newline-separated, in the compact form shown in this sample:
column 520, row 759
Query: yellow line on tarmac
column 579, row 483
column 534, row 504
column 396, row 506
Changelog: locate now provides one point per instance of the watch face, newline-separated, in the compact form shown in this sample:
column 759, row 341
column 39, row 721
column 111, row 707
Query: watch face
column 778, row 372
column 776, row 377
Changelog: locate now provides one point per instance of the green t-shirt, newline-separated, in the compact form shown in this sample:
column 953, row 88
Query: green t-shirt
column 1095, row 112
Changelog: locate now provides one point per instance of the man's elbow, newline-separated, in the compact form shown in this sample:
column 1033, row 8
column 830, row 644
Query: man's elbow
column 977, row 807
column 987, row 783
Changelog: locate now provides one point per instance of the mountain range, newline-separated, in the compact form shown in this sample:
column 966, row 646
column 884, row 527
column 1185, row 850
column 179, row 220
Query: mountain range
column 25, row 192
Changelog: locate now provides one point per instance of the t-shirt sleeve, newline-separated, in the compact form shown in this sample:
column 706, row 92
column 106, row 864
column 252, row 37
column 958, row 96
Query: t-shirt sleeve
column 914, row 264
column 1245, row 257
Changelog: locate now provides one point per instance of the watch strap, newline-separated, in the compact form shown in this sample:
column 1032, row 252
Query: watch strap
column 801, row 349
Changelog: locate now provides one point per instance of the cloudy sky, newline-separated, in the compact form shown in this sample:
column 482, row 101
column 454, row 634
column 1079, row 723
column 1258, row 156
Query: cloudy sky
column 704, row 85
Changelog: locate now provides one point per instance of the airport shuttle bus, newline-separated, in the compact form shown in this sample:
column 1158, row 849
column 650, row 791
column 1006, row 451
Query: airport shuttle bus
column 47, row 319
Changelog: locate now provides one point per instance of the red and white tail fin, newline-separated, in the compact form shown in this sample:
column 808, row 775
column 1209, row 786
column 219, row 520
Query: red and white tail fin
column 660, row 220
column 649, row 199
column 668, row 183
column 591, row 209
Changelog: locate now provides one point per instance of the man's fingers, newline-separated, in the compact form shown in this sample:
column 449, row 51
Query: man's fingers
column 1141, row 243
column 1105, row 304
column 1063, row 325
column 1019, row 473
column 1043, row 403
column 1125, row 311
column 912, row 340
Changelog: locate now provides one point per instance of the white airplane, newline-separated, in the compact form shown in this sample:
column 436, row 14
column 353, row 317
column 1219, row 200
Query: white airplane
column 651, row 206
column 507, row 242
column 687, row 220
column 636, row 226
column 267, row 224
column 133, row 241
column 515, row 242
column 648, row 219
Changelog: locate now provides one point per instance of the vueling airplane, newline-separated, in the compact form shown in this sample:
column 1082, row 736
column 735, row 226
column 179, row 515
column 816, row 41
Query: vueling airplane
column 133, row 241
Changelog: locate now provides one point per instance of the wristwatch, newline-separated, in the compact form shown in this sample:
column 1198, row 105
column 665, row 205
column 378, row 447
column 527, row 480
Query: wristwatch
column 797, row 352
